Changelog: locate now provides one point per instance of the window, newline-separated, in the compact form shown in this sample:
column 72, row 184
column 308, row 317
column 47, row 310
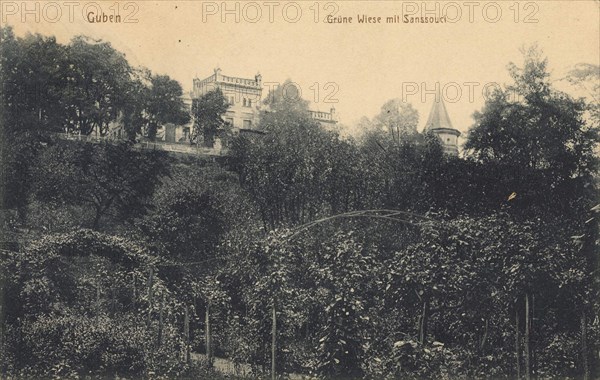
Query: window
column 247, row 124
column 244, row 102
column 249, row 102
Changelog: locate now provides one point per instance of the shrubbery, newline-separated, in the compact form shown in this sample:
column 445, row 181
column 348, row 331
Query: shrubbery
column 82, row 308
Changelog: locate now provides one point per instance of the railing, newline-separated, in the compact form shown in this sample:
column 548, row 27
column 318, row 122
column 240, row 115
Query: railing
column 247, row 82
column 79, row 137
column 184, row 148
column 321, row 115
column 210, row 79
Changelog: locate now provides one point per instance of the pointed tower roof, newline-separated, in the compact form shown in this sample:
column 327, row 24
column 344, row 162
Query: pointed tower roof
column 438, row 117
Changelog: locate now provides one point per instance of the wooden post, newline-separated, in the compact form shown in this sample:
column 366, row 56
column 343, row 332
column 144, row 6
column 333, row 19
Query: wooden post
column 517, row 342
column 274, row 343
column 532, row 339
column 484, row 338
column 160, row 319
column 113, row 301
column 2, row 300
column 209, row 356
column 134, row 291
column 186, row 333
column 150, row 280
column 584, row 349
column 527, row 341
column 423, row 324
column 98, row 298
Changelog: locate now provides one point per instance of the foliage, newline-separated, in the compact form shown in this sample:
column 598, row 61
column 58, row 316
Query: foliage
column 152, row 102
column 585, row 76
column 297, row 170
column 542, row 129
column 208, row 111
column 23, row 108
column 103, row 177
column 165, row 104
column 285, row 100
column 80, row 309
column 83, row 87
column 396, row 120
column 193, row 210
column 95, row 82
column 347, row 309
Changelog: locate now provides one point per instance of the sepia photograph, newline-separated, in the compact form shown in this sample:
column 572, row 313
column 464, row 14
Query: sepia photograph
column 308, row 189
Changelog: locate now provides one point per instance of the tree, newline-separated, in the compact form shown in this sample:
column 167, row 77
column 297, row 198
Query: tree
column 151, row 102
column 398, row 119
column 208, row 111
column 288, row 170
column 286, row 97
column 164, row 104
column 33, row 68
column 102, row 177
column 135, row 104
column 587, row 77
column 30, row 86
column 95, row 86
column 542, row 129
column 193, row 210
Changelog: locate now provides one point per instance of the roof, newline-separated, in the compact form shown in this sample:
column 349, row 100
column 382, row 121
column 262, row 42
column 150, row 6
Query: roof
column 438, row 117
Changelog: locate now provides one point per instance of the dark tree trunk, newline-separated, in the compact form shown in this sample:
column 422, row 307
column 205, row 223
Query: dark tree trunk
column 532, row 339
column 97, row 217
column 423, row 323
column 2, row 300
column 517, row 343
column 208, row 335
column 134, row 292
column 150, row 280
column 98, row 303
column 113, row 301
column 584, row 348
column 186, row 333
column 160, row 320
column 274, row 343
column 484, row 337
column 527, row 339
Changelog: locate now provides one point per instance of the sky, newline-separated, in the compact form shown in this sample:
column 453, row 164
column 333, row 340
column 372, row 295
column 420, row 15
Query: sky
column 356, row 67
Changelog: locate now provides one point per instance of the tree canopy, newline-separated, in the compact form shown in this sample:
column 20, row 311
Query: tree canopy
column 208, row 111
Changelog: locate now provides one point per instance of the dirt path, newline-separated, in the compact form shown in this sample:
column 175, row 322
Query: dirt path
column 226, row 366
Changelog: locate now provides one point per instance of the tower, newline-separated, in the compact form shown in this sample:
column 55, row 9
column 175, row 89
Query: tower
column 439, row 123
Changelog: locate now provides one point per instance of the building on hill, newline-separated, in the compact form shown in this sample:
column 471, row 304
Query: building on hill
column 243, row 94
column 245, row 98
column 245, row 104
column 439, row 124
column 327, row 120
